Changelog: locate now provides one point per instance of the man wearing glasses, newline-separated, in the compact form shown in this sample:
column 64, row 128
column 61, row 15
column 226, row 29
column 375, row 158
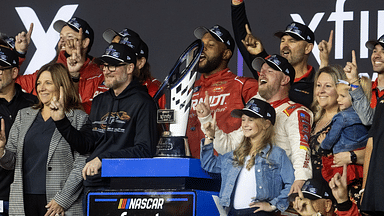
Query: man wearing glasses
column 122, row 122
column 12, row 99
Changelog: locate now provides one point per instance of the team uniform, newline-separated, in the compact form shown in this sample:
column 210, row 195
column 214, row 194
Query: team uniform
column 227, row 92
column 347, row 208
column 91, row 81
column 292, row 131
column 301, row 90
column 153, row 86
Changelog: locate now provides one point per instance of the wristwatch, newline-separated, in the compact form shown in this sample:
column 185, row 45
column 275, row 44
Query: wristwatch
column 353, row 157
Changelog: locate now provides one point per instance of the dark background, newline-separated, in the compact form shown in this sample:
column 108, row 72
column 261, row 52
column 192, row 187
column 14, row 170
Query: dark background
column 167, row 25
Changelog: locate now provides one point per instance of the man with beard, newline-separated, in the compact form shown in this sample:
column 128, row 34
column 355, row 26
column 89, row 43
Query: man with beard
column 227, row 90
column 12, row 99
column 296, row 44
column 122, row 122
column 293, row 120
column 370, row 113
column 76, row 40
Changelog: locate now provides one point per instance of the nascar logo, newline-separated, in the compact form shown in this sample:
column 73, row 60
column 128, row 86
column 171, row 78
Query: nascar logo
column 141, row 203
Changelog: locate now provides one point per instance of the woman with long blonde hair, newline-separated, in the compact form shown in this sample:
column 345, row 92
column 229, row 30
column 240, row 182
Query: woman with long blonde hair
column 256, row 176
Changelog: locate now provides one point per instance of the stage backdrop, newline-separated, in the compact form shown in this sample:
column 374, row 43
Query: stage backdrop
column 167, row 25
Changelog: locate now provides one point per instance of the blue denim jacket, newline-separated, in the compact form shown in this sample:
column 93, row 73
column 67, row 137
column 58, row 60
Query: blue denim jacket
column 273, row 180
column 347, row 132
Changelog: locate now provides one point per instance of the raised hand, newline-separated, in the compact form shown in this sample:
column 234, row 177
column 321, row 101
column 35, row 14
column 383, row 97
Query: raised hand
column 76, row 60
column 253, row 45
column 303, row 205
column 351, row 71
column 338, row 184
column 204, row 109
column 22, row 40
column 57, row 106
column 325, row 48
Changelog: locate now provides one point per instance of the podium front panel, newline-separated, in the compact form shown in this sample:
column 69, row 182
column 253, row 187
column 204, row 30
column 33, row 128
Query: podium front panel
column 142, row 203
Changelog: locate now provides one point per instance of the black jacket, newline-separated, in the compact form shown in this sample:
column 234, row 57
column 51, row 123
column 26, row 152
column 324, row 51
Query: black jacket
column 8, row 111
column 122, row 126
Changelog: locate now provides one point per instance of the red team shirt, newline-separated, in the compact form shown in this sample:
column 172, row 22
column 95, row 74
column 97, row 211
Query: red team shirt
column 226, row 93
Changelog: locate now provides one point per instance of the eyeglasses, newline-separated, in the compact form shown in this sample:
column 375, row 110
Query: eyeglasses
column 5, row 68
column 111, row 68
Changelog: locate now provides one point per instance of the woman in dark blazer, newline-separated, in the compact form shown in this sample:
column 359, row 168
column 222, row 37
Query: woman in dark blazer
column 48, row 178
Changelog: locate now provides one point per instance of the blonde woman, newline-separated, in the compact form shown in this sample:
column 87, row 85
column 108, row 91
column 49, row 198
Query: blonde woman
column 257, row 173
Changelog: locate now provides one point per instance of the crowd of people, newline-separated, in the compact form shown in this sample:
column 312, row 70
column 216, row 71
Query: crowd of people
column 294, row 139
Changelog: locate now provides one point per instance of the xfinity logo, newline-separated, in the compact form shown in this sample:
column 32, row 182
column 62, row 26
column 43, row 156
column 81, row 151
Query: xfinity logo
column 45, row 42
column 339, row 16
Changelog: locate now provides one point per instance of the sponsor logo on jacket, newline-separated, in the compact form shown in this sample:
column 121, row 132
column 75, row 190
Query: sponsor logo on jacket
column 218, row 100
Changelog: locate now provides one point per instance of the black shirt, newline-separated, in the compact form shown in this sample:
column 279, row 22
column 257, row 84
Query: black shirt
column 374, row 189
column 35, row 155
column 8, row 111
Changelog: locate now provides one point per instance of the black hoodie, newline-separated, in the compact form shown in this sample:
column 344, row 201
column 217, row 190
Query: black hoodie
column 122, row 126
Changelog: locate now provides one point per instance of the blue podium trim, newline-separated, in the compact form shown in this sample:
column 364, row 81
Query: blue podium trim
column 153, row 167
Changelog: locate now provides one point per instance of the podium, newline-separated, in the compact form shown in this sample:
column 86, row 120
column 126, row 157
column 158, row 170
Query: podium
column 156, row 187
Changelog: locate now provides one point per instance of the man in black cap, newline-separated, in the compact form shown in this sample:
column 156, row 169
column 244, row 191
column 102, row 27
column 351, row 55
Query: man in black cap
column 296, row 44
column 12, row 99
column 293, row 120
column 122, row 122
column 226, row 90
column 76, row 40
column 315, row 198
column 133, row 40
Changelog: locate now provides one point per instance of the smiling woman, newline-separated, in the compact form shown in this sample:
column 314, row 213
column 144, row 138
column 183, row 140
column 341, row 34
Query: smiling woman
column 324, row 107
column 47, row 177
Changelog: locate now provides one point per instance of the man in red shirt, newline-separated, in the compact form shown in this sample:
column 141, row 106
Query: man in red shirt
column 76, row 39
column 226, row 90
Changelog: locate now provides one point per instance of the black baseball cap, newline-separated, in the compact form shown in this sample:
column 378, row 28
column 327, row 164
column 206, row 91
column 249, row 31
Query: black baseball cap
column 8, row 41
column 372, row 43
column 298, row 31
column 116, row 54
column 109, row 34
column 276, row 62
column 133, row 42
column 256, row 108
column 142, row 47
column 219, row 33
column 76, row 24
column 8, row 57
column 314, row 189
